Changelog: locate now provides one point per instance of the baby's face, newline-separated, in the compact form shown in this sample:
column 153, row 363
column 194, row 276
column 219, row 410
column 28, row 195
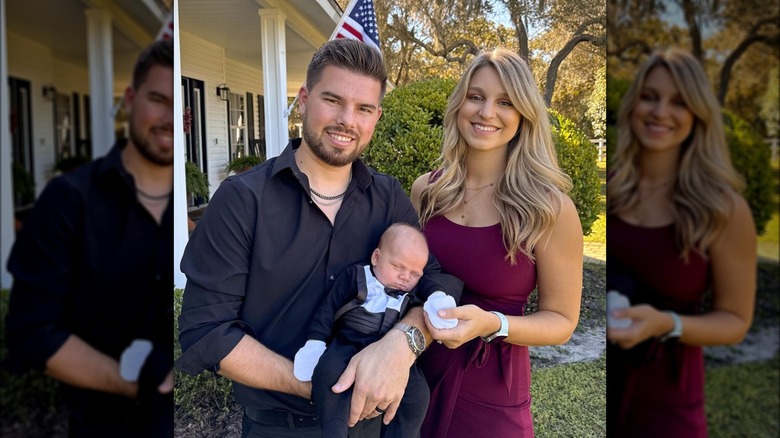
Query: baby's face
column 399, row 266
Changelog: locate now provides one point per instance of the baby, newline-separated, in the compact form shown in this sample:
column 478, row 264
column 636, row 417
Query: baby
column 365, row 303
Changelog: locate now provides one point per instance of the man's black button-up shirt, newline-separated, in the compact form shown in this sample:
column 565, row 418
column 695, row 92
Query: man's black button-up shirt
column 91, row 261
column 263, row 257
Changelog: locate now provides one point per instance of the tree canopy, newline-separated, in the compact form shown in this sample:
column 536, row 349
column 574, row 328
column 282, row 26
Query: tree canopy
column 564, row 42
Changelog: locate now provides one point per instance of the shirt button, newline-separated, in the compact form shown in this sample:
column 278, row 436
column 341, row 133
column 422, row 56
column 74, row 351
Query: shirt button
column 157, row 277
column 332, row 277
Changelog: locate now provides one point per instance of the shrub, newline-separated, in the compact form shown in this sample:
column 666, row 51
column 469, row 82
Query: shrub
column 577, row 157
column 407, row 139
column 751, row 157
column 407, row 143
column 29, row 401
column 195, row 396
column 616, row 88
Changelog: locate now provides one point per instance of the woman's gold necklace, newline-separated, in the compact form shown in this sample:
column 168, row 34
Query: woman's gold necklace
column 466, row 201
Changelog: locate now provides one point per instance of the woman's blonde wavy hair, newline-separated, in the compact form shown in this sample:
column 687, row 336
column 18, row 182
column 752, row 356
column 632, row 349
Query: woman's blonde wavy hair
column 528, row 194
column 705, row 178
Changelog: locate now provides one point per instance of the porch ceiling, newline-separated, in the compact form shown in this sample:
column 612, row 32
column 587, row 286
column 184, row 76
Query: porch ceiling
column 62, row 26
column 235, row 25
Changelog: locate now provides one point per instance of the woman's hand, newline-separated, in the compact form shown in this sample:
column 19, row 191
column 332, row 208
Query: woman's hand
column 646, row 322
column 472, row 322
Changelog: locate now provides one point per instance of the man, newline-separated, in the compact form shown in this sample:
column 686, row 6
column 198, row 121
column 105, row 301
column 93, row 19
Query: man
column 271, row 244
column 92, row 273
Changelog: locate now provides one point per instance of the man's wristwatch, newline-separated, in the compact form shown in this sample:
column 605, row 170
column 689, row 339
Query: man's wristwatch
column 414, row 337
column 676, row 330
column 503, row 331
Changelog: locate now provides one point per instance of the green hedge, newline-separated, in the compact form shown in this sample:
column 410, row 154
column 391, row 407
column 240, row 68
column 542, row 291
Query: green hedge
column 407, row 139
column 751, row 157
column 407, row 142
column 578, row 158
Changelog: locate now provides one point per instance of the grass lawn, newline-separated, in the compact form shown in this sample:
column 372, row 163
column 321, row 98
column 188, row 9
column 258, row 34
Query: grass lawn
column 742, row 400
column 570, row 400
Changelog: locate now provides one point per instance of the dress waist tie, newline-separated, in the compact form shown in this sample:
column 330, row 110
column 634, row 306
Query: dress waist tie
column 481, row 354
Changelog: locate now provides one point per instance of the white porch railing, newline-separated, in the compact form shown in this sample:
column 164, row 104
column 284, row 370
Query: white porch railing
column 773, row 144
column 601, row 144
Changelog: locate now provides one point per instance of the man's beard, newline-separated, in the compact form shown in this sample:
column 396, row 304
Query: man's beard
column 332, row 157
column 143, row 147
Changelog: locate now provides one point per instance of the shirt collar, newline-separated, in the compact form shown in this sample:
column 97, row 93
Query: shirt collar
column 286, row 160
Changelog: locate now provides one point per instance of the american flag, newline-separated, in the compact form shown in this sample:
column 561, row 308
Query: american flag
column 359, row 23
column 166, row 32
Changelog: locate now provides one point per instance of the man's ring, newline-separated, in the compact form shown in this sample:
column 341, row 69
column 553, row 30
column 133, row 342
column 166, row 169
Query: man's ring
column 381, row 411
column 439, row 341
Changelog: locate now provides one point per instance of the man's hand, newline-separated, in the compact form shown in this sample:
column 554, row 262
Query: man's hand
column 380, row 373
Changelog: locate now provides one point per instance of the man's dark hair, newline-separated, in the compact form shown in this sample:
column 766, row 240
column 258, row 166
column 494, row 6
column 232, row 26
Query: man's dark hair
column 159, row 53
column 352, row 55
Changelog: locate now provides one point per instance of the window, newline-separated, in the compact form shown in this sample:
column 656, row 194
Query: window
column 63, row 129
column 194, row 127
column 21, row 122
column 237, row 132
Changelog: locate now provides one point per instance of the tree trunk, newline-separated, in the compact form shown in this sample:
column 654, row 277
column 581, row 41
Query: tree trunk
column 690, row 10
column 725, row 71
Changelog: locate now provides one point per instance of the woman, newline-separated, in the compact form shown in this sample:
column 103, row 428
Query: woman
column 677, row 226
column 497, row 216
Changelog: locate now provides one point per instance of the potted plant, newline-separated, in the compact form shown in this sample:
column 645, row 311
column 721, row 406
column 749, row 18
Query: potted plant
column 242, row 164
column 24, row 193
column 24, row 186
column 197, row 183
column 65, row 165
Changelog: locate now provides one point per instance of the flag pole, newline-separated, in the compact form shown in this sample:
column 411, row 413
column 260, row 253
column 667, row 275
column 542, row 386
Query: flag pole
column 344, row 16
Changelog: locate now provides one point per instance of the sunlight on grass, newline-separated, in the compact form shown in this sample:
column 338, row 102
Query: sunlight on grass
column 772, row 230
column 570, row 399
column 742, row 400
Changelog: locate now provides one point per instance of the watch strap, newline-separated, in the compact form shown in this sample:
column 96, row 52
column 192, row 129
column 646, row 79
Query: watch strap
column 503, row 330
column 410, row 331
column 676, row 331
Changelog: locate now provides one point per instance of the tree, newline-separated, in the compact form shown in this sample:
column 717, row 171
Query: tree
column 455, row 30
column 737, row 38
column 597, row 104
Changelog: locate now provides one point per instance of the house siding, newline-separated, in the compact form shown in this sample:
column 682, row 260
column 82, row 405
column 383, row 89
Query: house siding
column 205, row 61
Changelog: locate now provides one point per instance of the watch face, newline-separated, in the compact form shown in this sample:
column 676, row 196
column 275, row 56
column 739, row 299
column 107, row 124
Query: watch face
column 418, row 338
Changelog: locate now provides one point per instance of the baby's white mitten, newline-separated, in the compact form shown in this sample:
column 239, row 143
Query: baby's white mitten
column 437, row 301
column 306, row 359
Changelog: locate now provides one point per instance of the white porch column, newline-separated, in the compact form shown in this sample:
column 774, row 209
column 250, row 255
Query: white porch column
column 274, row 48
column 101, row 80
column 7, row 232
column 180, row 230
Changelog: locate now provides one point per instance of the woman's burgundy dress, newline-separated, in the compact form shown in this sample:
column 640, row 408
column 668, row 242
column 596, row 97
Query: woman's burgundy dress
column 656, row 389
column 479, row 389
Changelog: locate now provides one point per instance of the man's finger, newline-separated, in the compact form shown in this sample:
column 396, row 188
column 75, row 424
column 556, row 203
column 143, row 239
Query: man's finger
column 390, row 412
column 346, row 380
